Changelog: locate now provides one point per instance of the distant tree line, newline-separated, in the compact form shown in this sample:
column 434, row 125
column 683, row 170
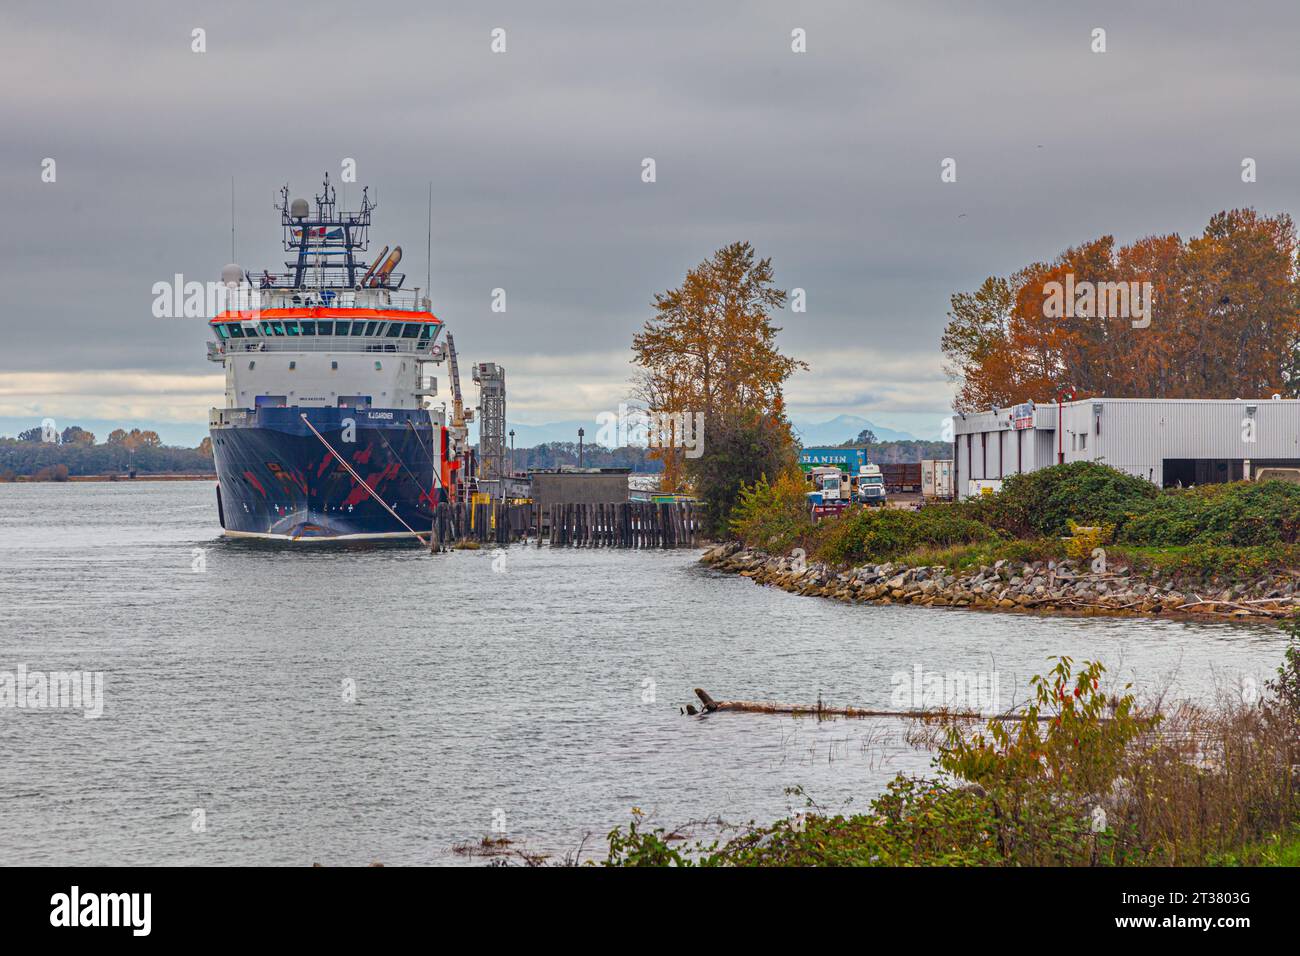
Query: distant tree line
column 897, row 452
column 76, row 453
column 558, row 453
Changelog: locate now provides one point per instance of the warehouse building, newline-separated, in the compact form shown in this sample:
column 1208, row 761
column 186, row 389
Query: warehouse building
column 1170, row 442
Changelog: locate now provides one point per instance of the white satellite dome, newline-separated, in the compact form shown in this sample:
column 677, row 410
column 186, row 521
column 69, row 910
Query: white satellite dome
column 298, row 209
column 232, row 273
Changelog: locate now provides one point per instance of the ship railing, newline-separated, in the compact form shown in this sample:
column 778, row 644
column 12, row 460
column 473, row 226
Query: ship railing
column 320, row 343
column 332, row 298
column 245, row 298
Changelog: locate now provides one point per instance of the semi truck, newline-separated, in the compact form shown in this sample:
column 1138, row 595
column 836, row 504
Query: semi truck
column 871, row 486
column 831, row 490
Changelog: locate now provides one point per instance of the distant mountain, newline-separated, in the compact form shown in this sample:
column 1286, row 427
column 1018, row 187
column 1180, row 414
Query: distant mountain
column 843, row 428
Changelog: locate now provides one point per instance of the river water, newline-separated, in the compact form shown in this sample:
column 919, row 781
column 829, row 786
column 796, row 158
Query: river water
column 349, row 705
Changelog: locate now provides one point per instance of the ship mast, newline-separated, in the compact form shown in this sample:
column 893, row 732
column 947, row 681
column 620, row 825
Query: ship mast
column 326, row 242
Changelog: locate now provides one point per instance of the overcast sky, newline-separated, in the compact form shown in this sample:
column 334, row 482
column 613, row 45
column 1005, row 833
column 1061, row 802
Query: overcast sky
column 827, row 161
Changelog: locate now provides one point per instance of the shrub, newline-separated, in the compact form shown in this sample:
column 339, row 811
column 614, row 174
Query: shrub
column 879, row 534
column 1241, row 514
column 1206, row 561
column 1043, row 502
column 772, row 516
column 1084, row 540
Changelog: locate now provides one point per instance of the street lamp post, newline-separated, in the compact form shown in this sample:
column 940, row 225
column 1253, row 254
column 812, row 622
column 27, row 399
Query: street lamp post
column 581, row 432
column 512, row 453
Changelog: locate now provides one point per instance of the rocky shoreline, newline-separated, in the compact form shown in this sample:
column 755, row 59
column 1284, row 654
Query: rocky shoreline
column 1064, row 587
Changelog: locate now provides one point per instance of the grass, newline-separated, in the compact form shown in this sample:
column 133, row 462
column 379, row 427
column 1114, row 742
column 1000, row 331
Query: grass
column 970, row 556
column 1278, row 850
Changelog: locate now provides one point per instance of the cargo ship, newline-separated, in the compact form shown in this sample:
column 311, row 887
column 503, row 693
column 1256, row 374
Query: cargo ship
column 327, row 433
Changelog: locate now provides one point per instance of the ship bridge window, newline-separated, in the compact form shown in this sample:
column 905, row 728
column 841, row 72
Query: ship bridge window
column 277, row 328
column 308, row 328
column 411, row 331
column 236, row 330
column 358, row 328
column 291, row 328
column 324, row 328
column 426, row 331
column 394, row 329
column 370, row 328
column 250, row 331
column 221, row 332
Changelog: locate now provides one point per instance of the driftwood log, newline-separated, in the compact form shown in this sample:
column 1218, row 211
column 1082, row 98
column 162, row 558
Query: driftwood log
column 821, row 710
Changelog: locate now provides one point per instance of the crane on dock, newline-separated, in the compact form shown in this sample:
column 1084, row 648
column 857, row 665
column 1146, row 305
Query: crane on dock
column 458, row 432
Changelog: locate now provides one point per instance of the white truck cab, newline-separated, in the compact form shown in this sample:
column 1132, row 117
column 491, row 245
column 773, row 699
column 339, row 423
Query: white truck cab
column 871, row 485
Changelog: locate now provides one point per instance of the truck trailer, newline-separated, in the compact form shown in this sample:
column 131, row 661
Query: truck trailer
column 936, row 479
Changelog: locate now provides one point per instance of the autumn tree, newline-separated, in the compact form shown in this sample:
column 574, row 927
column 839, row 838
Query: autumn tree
column 76, row 435
column 710, row 348
column 1223, row 320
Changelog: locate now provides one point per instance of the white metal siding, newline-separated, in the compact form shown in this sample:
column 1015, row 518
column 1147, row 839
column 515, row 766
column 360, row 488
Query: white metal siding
column 1136, row 435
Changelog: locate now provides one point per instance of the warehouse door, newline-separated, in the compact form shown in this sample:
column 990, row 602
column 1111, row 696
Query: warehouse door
column 1185, row 472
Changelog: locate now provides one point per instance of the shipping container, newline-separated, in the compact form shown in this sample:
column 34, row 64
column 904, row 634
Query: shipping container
column 848, row 460
column 902, row 477
column 936, row 478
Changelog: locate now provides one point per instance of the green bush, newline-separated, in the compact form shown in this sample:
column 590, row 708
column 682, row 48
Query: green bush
column 1206, row 562
column 1044, row 502
column 879, row 534
column 1240, row 514
column 772, row 516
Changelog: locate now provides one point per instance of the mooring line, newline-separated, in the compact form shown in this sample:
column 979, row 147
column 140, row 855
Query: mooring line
column 393, row 451
column 426, row 451
column 371, row 491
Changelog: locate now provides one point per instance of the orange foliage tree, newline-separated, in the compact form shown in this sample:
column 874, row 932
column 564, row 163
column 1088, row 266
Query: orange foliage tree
column 1224, row 320
column 710, row 348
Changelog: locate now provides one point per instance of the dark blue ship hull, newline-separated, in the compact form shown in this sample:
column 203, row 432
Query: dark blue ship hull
column 277, row 480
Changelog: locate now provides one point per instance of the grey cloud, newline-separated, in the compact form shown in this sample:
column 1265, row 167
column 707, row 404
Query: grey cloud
column 827, row 161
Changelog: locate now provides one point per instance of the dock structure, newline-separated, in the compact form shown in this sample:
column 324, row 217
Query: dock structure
column 491, row 381
column 627, row 524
